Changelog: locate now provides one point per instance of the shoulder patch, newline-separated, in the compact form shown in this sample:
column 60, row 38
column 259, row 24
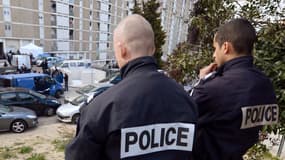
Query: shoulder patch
column 157, row 137
column 258, row 115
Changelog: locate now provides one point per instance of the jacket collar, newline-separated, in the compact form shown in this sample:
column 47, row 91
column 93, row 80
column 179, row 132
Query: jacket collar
column 138, row 63
column 240, row 62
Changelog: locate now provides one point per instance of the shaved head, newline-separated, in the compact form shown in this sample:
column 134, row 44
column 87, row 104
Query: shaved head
column 137, row 35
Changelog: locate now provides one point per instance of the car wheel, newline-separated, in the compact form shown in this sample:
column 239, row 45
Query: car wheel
column 49, row 111
column 18, row 126
column 75, row 118
column 57, row 94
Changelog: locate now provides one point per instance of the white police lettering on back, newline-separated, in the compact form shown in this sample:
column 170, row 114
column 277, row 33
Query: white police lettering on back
column 253, row 116
column 158, row 137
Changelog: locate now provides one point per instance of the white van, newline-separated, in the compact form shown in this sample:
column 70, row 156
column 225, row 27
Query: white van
column 70, row 64
column 19, row 60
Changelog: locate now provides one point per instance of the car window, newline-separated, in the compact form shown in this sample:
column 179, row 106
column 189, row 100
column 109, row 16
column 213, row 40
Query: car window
column 64, row 65
column 36, row 94
column 26, row 97
column 5, row 82
column 102, row 89
column 86, row 89
column 4, row 109
column 8, row 97
column 48, row 80
column 72, row 64
column 116, row 80
column 78, row 100
column 80, row 64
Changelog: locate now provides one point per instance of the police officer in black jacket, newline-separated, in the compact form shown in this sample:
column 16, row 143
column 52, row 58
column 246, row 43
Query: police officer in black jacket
column 147, row 116
column 234, row 98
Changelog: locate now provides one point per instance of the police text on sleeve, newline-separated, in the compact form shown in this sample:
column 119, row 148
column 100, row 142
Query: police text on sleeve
column 253, row 116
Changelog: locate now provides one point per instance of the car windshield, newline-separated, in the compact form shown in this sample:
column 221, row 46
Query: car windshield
column 37, row 94
column 104, row 80
column 78, row 100
column 109, row 78
column 59, row 64
column 86, row 89
column 5, row 109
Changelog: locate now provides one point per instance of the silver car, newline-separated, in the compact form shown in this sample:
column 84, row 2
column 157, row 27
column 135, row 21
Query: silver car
column 16, row 119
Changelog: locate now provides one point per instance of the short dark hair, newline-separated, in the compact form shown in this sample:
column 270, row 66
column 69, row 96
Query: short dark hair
column 240, row 33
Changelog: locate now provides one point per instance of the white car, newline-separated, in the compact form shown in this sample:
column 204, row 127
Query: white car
column 94, row 89
column 70, row 112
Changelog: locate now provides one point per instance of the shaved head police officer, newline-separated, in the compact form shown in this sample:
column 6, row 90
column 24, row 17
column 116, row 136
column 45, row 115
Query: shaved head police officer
column 147, row 116
column 234, row 98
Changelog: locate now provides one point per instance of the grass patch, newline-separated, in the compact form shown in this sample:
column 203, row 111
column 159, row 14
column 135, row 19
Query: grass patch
column 37, row 157
column 60, row 144
column 18, row 143
column 25, row 149
column 66, row 136
column 6, row 153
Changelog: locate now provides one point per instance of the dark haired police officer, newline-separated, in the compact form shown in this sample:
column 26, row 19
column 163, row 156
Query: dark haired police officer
column 146, row 116
column 234, row 98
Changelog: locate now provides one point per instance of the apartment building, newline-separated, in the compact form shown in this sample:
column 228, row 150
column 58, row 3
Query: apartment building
column 80, row 28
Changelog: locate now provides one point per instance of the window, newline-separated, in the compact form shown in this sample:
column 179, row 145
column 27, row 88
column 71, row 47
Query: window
column 5, row 83
column 80, row 64
column 7, row 27
column 98, row 14
column 98, row 4
column 64, row 65
column 8, row 97
column 26, row 97
column 6, row 12
column 72, row 64
column 109, row 17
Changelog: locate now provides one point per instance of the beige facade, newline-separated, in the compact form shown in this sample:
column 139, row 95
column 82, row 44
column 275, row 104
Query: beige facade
column 79, row 28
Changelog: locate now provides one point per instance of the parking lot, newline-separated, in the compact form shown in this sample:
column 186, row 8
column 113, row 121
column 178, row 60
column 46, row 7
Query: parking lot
column 46, row 139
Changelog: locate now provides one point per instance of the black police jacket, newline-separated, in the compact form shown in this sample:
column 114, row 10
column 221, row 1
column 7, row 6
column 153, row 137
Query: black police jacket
column 233, row 105
column 146, row 116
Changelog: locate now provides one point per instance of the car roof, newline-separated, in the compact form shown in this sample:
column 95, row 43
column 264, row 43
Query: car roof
column 13, row 89
column 24, row 75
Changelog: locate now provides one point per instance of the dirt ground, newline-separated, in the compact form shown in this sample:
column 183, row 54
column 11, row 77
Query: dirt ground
column 49, row 140
column 46, row 140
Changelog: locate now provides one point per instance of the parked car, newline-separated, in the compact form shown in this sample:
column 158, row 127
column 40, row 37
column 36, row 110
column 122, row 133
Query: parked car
column 114, row 79
column 41, row 83
column 89, row 89
column 70, row 111
column 41, row 104
column 16, row 119
column 76, row 64
column 40, row 58
column 52, row 61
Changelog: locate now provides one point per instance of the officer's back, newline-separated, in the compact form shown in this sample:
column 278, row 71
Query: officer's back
column 145, row 116
column 236, row 101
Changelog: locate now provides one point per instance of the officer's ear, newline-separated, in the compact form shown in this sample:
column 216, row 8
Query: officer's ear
column 227, row 48
column 124, row 51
